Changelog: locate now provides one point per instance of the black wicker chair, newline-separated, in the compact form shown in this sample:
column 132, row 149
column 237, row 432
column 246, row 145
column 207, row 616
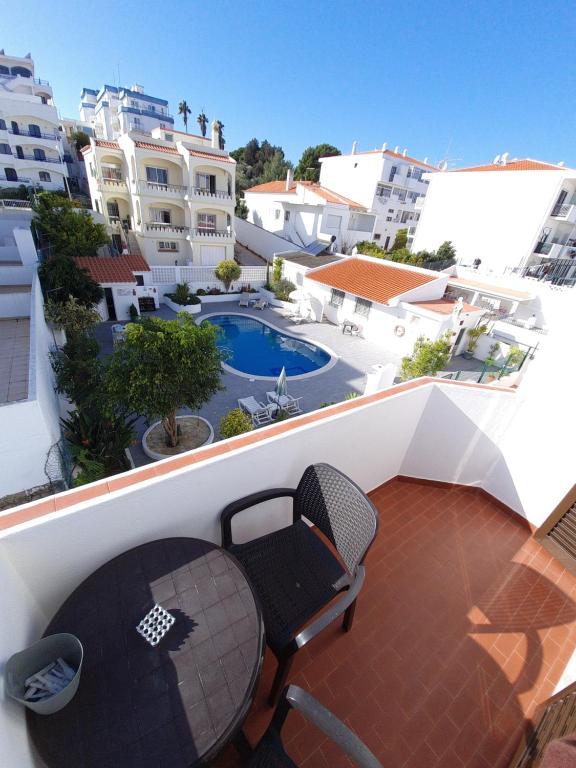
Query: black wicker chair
column 270, row 753
column 294, row 572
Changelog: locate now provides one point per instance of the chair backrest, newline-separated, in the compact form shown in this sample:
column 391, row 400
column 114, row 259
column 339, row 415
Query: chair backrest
column 340, row 509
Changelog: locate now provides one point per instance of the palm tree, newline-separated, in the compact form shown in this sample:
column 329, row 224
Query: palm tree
column 220, row 128
column 184, row 110
column 202, row 121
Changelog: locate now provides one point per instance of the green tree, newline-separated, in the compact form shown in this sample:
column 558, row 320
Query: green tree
column 220, row 131
column 235, row 422
column 257, row 163
column 163, row 365
column 79, row 139
column 277, row 269
column 427, row 358
column 241, row 209
column 68, row 230
column 446, row 251
column 62, row 278
column 227, row 271
column 202, row 121
column 308, row 168
column 184, row 110
column 75, row 318
column 79, row 371
column 400, row 240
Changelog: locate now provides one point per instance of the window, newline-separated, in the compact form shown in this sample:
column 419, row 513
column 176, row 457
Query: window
column 113, row 210
column 11, row 174
column 167, row 245
column 376, row 236
column 413, row 196
column 361, row 222
column 336, row 298
column 97, row 204
column 388, row 218
column 5, row 149
column 383, row 191
column 207, row 222
column 414, row 173
column 161, row 216
column 390, row 210
column 277, row 213
column 169, row 136
column 393, row 172
column 39, row 154
column 139, row 279
column 333, row 222
column 34, row 130
column 15, row 127
column 286, row 215
column 137, row 122
column 43, row 99
column 44, row 176
column 2, row 124
column 206, row 182
column 400, row 194
column 111, row 172
column 133, row 103
column 157, row 175
column 362, row 307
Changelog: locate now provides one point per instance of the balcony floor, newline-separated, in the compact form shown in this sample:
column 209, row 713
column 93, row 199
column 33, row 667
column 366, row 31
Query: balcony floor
column 464, row 625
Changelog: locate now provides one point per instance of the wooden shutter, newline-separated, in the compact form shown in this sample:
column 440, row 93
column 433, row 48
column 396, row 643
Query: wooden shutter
column 558, row 533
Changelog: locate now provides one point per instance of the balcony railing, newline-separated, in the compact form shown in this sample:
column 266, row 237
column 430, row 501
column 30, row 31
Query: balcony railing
column 41, row 135
column 39, row 159
column 216, row 233
column 35, row 80
column 160, row 226
column 174, row 189
column 19, row 180
column 111, row 181
column 217, row 194
column 564, row 212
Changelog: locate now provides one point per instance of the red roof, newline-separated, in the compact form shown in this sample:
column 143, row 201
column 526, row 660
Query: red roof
column 113, row 269
column 445, row 306
column 107, row 144
column 513, row 165
column 369, row 279
column 211, row 156
column 156, row 147
column 277, row 187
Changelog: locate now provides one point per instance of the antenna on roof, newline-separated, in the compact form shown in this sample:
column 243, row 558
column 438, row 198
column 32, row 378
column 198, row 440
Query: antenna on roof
column 496, row 160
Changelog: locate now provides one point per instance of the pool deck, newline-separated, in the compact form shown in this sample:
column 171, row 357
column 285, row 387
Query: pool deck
column 355, row 358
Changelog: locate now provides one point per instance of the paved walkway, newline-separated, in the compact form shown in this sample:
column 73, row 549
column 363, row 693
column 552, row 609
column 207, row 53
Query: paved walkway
column 355, row 358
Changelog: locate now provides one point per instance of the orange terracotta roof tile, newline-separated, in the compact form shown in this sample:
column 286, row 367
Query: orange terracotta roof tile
column 514, row 165
column 210, row 156
column 156, row 147
column 277, row 187
column 107, row 144
column 113, row 269
column 445, row 306
column 274, row 186
column 370, row 280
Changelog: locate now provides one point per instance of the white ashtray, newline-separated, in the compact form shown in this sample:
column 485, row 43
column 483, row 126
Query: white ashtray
column 155, row 625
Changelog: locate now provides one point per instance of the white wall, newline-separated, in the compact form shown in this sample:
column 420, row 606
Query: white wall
column 262, row 242
column 496, row 216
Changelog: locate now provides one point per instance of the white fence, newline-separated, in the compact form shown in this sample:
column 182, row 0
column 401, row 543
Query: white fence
column 204, row 277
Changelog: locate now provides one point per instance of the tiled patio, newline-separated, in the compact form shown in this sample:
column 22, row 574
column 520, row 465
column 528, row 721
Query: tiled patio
column 14, row 359
column 464, row 625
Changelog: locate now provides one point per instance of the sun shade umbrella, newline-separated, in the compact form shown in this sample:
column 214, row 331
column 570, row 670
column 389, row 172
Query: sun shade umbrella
column 281, row 388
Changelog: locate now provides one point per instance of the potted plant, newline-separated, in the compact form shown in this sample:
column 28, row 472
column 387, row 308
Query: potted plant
column 183, row 301
column 473, row 337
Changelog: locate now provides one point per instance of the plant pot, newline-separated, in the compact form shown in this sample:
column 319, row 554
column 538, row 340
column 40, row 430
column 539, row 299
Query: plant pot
column 192, row 309
column 157, row 456
column 467, row 355
column 22, row 665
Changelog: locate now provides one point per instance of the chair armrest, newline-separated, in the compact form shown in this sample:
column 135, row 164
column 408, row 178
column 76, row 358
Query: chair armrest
column 244, row 503
column 323, row 719
column 332, row 613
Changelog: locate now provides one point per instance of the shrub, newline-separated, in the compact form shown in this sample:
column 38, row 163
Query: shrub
column 61, row 278
column 214, row 292
column 73, row 317
column 227, row 271
column 400, row 240
column 78, row 370
column 282, row 289
column 69, row 230
column 277, row 270
column 183, row 296
column 201, row 292
column 427, row 358
column 236, row 422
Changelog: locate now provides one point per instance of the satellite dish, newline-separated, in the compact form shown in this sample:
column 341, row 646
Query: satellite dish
column 504, row 158
column 561, row 163
column 496, row 160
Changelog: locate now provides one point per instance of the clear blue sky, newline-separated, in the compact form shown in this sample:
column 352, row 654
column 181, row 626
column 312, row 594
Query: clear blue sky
column 452, row 79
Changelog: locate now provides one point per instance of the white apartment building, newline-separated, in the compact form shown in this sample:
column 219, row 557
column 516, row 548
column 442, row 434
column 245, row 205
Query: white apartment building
column 113, row 111
column 30, row 143
column 169, row 196
column 511, row 214
column 360, row 196
column 74, row 159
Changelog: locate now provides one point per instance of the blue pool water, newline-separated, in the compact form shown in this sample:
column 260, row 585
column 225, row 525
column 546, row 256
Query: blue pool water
column 255, row 348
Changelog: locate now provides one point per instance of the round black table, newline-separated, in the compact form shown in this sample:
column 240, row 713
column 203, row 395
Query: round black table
column 175, row 705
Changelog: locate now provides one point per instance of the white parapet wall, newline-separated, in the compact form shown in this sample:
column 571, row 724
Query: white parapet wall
column 265, row 244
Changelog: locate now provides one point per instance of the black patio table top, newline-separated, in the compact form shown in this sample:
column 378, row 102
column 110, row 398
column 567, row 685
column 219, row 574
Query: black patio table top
column 174, row 705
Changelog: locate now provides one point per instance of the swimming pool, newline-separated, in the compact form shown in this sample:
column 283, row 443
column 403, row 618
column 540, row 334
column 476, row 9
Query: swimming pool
column 257, row 349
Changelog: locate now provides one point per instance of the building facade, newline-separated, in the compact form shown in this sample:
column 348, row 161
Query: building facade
column 517, row 215
column 30, row 142
column 169, row 196
column 112, row 111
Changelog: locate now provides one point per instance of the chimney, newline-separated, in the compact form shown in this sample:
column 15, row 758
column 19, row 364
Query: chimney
column 289, row 179
column 396, row 149
column 354, row 145
column 215, row 135
column 405, row 152
column 384, row 146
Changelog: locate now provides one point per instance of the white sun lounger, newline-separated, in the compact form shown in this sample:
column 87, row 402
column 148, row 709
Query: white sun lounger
column 259, row 413
column 286, row 402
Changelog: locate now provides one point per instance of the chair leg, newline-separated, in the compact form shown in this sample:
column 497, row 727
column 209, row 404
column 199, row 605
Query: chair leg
column 349, row 617
column 284, row 665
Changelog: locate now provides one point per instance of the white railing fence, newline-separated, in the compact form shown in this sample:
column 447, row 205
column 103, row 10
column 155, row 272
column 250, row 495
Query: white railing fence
column 204, row 277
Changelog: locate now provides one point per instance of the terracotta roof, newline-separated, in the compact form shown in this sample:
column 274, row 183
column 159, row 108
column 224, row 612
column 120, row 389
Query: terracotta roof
column 156, row 147
column 211, row 156
column 189, row 135
column 445, row 306
column 107, row 144
column 370, row 280
column 498, row 290
column 277, row 187
column 514, row 165
column 113, row 269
